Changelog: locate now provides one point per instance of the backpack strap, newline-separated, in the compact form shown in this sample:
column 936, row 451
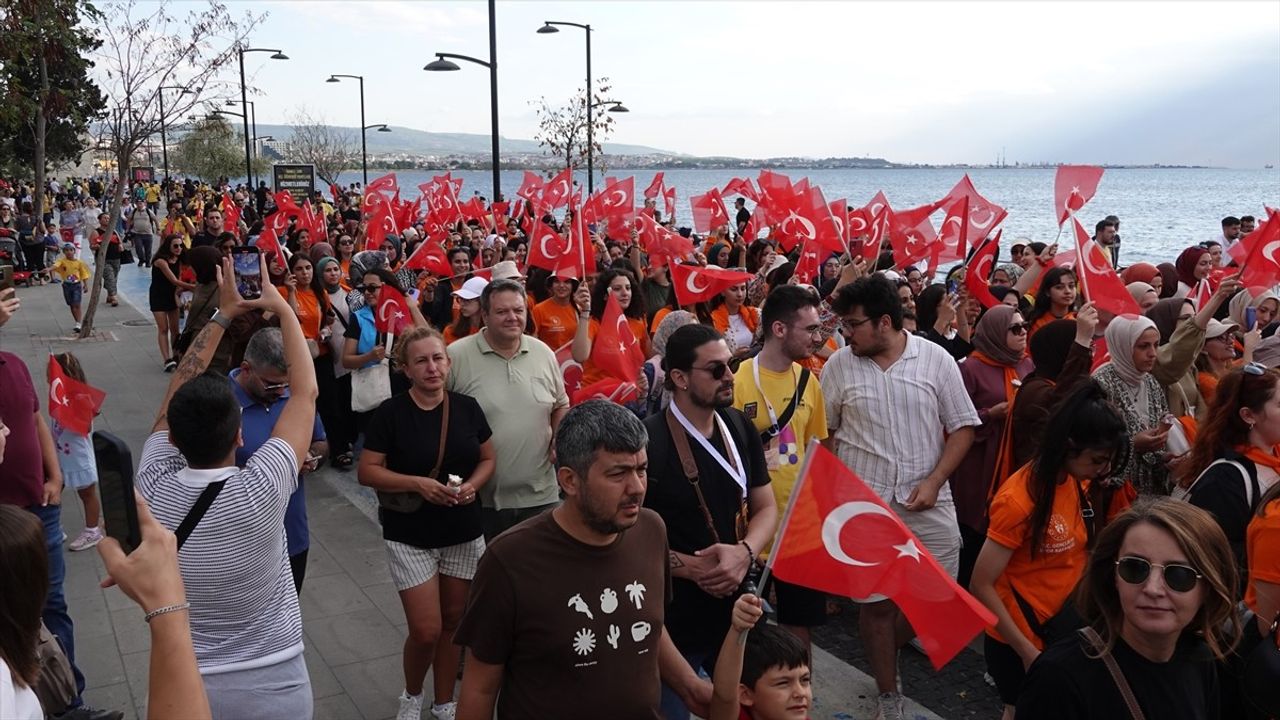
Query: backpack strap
column 1091, row 637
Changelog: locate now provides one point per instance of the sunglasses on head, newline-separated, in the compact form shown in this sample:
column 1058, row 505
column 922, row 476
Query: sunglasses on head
column 1254, row 368
column 1019, row 328
column 1136, row 570
column 716, row 370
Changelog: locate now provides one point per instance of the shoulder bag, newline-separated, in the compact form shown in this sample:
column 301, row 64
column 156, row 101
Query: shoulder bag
column 1091, row 637
column 370, row 386
column 407, row 502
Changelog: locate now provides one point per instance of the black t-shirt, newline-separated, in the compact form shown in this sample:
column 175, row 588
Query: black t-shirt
column 1221, row 490
column 1065, row 684
column 204, row 237
column 743, row 218
column 410, row 438
column 698, row 621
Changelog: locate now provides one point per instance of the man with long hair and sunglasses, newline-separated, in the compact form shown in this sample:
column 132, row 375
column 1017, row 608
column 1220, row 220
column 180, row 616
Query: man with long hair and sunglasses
column 718, row 520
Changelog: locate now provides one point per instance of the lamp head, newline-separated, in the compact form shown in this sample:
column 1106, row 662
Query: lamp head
column 619, row 107
column 441, row 65
column 384, row 128
column 333, row 79
column 547, row 29
column 279, row 56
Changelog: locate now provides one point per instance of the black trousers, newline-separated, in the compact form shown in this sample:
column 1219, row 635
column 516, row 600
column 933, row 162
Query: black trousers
column 298, row 565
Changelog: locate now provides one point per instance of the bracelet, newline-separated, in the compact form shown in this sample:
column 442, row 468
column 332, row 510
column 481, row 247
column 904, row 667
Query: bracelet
column 750, row 554
column 220, row 320
column 166, row 609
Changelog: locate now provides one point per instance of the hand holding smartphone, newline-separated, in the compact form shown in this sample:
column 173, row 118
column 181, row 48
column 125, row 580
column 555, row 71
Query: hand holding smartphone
column 248, row 271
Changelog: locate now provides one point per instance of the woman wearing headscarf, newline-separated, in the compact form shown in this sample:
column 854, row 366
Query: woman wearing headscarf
column 1128, row 382
column 1193, row 265
column 1062, row 353
column 1266, row 305
column 1182, row 335
column 1143, row 272
column 1143, row 294
column 1168, row 280
column 992, row 374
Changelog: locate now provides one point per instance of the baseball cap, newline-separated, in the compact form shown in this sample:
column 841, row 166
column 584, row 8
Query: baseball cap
column 471, row 289
column 68, row 246
column 1217, row 328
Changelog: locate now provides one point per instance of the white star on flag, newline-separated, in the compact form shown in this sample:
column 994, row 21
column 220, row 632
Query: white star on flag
column 908, row 549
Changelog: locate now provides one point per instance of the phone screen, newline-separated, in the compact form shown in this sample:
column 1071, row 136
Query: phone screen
column 6, row 277
column 248, row 272
column 1250, row 317
column 952, row 286
column 115, row 487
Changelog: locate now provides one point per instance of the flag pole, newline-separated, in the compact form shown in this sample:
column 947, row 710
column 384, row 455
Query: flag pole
column 786, row 516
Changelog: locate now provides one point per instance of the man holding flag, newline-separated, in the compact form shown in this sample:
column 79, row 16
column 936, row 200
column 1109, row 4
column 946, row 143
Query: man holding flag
column 899, row 418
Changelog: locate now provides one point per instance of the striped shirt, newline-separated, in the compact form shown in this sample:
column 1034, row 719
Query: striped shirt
column 244, row 610
column 888, row 425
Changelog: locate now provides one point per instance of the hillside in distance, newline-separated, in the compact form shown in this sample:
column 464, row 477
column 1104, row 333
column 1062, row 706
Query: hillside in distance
column 407, row 141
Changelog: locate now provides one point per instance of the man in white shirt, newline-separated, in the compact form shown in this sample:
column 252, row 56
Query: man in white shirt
column 1230, row 234
column 244, row 610
column 900, row 418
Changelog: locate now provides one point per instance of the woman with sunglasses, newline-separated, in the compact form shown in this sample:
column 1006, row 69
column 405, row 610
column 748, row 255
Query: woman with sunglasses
column 1158, row 596
column 344, row 251
column 1129, row 384
column 1037, row 541
column 992, row 373
column 1218, row 357
column 363, row 345
column 163, row 296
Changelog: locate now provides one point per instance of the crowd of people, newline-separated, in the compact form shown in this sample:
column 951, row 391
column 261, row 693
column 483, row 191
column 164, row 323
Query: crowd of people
column 1106, row 485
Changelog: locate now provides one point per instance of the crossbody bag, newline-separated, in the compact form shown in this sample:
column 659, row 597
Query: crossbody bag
column 1095, row 643
column 407, row 502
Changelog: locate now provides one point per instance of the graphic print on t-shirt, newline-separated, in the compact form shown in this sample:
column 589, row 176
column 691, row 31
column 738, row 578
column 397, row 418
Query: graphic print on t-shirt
column 584, row 639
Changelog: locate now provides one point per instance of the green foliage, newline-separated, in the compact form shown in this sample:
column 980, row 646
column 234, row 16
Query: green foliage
column 209, row 150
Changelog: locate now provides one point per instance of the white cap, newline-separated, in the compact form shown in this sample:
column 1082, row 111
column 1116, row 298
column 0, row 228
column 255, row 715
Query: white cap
column 471, row 289
column 1217, row 328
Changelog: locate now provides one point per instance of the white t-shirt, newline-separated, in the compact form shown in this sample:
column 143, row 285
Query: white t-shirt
column 17, row 703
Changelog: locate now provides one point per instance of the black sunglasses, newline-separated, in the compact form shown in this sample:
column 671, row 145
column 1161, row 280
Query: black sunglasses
column 716, row 370
column 1019, row 328
column 368, row 288
column 1136, row 570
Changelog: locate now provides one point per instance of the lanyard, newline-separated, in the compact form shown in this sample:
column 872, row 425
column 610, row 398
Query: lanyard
column 733, row 465
column 768, row 406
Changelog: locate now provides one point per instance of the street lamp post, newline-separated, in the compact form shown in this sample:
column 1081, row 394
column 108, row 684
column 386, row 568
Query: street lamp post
column 253, row 123
column 244, row 99
column 441, row 64
column 550, row 26
column 364, row 151
column 164, row 144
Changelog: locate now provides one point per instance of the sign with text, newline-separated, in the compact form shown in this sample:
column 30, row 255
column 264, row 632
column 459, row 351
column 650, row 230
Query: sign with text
column 143, row 174
column 298, row 180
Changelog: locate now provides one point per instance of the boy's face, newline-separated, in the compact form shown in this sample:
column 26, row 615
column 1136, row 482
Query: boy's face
column 779, row 694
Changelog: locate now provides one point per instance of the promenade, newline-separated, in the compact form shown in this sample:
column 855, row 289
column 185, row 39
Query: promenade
column 353, row 623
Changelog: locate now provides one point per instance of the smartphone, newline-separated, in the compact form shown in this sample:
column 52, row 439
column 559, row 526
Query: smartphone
column 6, row 278
column 1250, row 316
column 953, row 287
column 115, row 489
column 248, row 271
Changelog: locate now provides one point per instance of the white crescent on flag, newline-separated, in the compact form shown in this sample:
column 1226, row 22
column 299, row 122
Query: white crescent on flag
column 809, row 230
column 835, row 523
column 691, row 287
column 56, row 396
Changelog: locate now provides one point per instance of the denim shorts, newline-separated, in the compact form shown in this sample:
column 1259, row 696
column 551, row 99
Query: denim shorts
column 72, row 292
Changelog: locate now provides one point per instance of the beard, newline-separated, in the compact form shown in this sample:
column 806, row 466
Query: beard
column 601, row 519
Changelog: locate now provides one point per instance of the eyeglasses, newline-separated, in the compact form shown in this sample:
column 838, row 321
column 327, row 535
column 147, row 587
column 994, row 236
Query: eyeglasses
column 1223, row 338
column 811, row 330
column 346, row 242
column 369, row 288
column 716, row 370
column 851, row 324
column 275, row 387
column 1136, row 570
column 1019, row 328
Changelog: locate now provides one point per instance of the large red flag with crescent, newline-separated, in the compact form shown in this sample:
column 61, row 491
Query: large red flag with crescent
column 696, row 283
column 839, row 537
column 71, row 402
column 615, row 349
column 557, row 190
column 430, row 256
column 391, row 314
column 709, row 213
column 977, row 276
column 1260, row 267
column 1073, row 186
column 610, row 388
column 1101, row 285
column 530, row 186
column 570, row 369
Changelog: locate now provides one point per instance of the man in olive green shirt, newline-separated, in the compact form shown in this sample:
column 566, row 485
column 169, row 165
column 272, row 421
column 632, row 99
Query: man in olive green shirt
column 518, row 384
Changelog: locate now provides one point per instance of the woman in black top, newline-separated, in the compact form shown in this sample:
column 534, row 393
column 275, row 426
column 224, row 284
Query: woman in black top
column 1159, row 594
column 433, row 549
column 163, row 296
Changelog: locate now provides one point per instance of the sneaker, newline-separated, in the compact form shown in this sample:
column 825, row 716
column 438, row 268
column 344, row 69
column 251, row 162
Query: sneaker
column 87, row 539
column 447, row 711
column 891, row 706
column 76, row 329
column 170, row 365
column 84, row 712
column 410, row 707
column 64, row 537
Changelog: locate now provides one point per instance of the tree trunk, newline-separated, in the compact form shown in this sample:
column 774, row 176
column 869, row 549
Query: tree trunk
column 42, row 127
column 100, row 258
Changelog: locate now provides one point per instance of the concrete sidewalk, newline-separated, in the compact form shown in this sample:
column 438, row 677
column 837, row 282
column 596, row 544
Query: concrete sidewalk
column 353, row 623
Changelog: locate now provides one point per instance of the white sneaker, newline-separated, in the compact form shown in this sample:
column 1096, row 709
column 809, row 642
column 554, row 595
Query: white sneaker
column 890, row 706
column 446, row 711
column 87, row 539
column 410, row 706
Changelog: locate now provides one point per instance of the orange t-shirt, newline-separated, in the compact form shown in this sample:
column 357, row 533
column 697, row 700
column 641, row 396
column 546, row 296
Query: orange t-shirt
column 657, row 319
column 1045, row 581
column 309, row 314
column 450, row 335
column 591, row 373
column 1043, row 320
column 1262, row 546
column 555, row 324
column 816, row 362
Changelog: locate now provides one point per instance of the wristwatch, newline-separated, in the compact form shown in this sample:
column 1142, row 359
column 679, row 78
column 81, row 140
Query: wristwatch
column 221, row 320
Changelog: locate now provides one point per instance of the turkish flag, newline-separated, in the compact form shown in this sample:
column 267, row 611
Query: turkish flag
column 978, row 271
column 1101, row 285
column 839, row 537
column 334, row 192
column 430, row 256
column 743, row 187
column 313, row 222
column 1260, row 268
column 669, row 202
column 758, row 222
column 709, row 213
column 1101, row 355
column 615, row 349
column 380, row 221
column 545, row 245
column 269, row 239
column 880, row 219
column 912, row 235
column 392, row 311
column 661, row 244
column 955, row 231
column 558, row 189
column 285, row 204
column 655, row 187
column 1073, row 186
column 230, row 213
column 611, row 389
column 473, row 209
column 385, row 185
column 776, row 190
column 530, row 187
column 840, row 221
column 570, row 369
column 983, row 215
column 695, row 283
column 71, row 402
column 808, row 218
column 809, row 261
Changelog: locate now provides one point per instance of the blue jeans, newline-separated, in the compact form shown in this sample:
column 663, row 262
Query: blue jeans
column 673, row 708
column 55, row 614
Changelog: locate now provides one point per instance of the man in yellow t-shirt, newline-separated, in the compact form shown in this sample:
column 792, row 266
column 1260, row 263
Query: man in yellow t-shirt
column 765, row 388
column 74, row 274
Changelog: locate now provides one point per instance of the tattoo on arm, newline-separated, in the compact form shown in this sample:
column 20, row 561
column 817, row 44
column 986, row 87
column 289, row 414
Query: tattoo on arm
column 674, row 560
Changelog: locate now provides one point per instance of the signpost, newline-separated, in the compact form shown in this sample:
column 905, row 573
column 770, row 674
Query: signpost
column 298, row 180
column 143, row 174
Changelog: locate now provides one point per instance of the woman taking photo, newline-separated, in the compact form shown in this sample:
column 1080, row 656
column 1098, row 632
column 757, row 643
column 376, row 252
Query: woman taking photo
column 1128, row 383
column 163, row 296
column 992, row 374
column 1158, row 594
column 1037, row 542
column 735, row 320
column 1055, row 300
column 431, row 451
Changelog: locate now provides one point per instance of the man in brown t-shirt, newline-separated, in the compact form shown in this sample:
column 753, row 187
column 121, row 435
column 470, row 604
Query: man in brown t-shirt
column 566, row 610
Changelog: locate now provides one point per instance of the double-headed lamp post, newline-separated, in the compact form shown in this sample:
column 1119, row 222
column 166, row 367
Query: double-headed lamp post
column 553, row 26
column 164, row 144
column 244, row 99
column 364, row 152
column 443, row 64
column 253, row 125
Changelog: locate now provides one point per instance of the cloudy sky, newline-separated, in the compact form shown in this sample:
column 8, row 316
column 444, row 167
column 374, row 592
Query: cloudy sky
column 1141, row 82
